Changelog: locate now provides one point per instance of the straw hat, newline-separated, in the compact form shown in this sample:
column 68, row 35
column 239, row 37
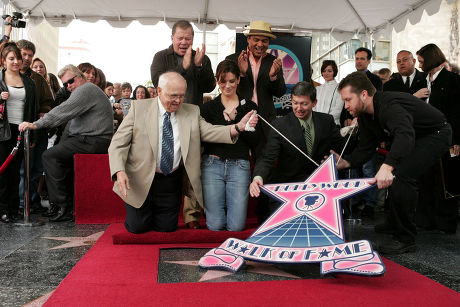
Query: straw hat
column 260, row 27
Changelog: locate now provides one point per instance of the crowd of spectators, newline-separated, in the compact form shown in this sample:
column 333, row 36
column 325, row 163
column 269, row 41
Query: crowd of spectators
column 82, row 115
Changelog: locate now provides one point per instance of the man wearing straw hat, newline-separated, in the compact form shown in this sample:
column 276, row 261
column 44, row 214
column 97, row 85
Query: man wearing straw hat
column 261, row 73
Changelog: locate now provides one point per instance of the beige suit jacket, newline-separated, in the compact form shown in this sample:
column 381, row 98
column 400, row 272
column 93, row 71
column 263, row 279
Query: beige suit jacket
column 134, row 147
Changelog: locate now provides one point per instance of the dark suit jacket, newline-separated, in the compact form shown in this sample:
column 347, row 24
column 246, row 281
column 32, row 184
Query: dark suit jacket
column 265, row 88
column 397, row 84
column 375, row 80
column 445, row 96
column 292, row 165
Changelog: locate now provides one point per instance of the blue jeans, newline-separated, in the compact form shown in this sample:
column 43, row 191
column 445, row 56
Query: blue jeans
column 225, row 192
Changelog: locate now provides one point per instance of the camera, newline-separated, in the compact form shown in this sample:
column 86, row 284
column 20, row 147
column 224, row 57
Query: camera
column 15, row 20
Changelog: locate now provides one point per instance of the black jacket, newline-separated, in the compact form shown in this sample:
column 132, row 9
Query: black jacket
column 266, row 89
column 292, row 165
column 397, row 84
column 375, row 80
column 445, row 96
column 399, row 116
column 212, row 112
column 30, row 107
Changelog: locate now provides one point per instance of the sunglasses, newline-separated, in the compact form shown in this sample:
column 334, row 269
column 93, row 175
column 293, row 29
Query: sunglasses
column 70, row 81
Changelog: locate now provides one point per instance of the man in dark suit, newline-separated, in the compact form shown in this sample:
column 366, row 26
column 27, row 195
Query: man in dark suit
column 312, row 132
column 261, row 73
column 363, row 58
column 409, row 80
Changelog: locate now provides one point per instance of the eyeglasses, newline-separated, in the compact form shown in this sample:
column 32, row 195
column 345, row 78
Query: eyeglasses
column 70, row 81
column 175, row 97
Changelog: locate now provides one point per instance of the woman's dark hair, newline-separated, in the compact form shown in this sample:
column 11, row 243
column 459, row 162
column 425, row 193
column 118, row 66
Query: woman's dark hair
column 226, row 66
column 102, row 81
column 331, row 63
column 108, row 83
column 147, row 94
column 10, row 47
column 432, row 57
column 87, row 67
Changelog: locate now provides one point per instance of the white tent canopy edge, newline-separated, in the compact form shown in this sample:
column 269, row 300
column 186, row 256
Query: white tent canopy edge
column 341, row 18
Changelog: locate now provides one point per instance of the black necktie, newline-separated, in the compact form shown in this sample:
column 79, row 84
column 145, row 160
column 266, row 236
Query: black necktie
column 167, row 146
column 407, row 84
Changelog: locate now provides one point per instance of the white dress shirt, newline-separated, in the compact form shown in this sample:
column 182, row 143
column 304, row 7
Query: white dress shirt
column 177, row 151
column 329, row 100
column 412, row 76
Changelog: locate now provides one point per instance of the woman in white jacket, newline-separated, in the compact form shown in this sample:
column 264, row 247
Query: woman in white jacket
column 329, row 99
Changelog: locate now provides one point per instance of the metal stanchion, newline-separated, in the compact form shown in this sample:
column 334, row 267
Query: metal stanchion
column 27, row 184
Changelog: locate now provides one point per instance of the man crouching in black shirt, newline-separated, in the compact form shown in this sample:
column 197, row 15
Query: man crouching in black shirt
column 420, row 135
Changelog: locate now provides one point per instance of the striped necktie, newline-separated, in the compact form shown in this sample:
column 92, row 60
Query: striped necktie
column 167, row 146
column 308, row 138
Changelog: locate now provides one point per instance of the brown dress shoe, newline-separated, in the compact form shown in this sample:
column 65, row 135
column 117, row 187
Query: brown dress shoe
column 193, row 225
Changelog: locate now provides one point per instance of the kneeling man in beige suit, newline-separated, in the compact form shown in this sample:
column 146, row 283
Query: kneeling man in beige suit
column 155, row 148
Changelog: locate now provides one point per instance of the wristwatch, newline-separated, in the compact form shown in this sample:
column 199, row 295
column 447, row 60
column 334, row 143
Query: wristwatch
column 237, row 129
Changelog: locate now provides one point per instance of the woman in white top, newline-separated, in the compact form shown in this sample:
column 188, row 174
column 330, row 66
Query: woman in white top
column 17, row 104
column 329, row 99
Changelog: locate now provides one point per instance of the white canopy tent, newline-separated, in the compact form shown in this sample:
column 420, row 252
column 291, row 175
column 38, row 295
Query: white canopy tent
column 342, row 18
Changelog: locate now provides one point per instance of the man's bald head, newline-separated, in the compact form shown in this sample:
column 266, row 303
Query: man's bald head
column 171, row 90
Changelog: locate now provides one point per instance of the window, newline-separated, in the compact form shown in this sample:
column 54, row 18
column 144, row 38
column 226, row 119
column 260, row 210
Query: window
column 381, row 51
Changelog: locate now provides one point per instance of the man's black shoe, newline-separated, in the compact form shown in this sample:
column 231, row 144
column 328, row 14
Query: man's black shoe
column 384, row 227
column 394, row 247
column 52, row 211
column 68, row 216
column 60, row 214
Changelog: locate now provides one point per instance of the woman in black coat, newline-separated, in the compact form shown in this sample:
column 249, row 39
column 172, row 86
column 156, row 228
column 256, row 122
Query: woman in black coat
column 435, row 210
column 17, row 104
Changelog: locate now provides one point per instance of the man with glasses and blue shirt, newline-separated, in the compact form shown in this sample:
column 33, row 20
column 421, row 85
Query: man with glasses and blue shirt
column 91, row 128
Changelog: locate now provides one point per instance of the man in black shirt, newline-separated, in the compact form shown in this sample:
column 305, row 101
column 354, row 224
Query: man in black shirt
column 420, row 136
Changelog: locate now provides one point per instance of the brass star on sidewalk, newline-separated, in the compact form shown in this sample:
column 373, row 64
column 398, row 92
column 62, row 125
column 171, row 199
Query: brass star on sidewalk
column 251, row 267
column 76, row 241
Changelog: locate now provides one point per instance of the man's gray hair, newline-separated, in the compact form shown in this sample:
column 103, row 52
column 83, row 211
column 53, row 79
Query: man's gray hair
column 165, row 77
column 73, row 69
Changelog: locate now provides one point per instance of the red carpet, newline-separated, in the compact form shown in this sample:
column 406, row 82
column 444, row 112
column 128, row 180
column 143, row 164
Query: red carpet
column 125, row 275
column 95, row 202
